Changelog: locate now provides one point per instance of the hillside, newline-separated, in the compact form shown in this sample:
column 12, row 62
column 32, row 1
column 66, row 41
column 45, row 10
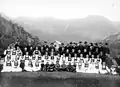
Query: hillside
column 9, row 32
column 91, row 28
column 114, row 42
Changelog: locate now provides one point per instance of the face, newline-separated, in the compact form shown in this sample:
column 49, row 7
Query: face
column 73, row 50
column 87, row 56
column 31, row 48
column 81, row 55
column 63, row 55
column 25, row 48
column 92, row 56
column 69, row 55
column 36, row 48
column 67, row 50
column 79, row 51
column 75, row 55
column 26, row 53
column 85, row 50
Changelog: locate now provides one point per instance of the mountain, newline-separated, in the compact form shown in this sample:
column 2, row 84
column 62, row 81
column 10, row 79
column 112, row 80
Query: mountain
column 10, row 32
column 93, row 27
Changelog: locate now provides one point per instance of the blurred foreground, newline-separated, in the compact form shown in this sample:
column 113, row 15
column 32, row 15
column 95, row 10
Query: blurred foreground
column 57, row 79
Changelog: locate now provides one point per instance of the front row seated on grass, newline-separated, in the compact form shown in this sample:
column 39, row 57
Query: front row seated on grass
column 33, row 66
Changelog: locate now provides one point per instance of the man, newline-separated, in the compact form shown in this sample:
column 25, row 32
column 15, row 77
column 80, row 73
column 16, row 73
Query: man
column 69, row 67
column 42, row 65
column 1, row 64
column 74, row 67
column 22, row 63
column 63, row 66
column 36, row 51
column 52, row 67
column 47, row 65
column 57, row 66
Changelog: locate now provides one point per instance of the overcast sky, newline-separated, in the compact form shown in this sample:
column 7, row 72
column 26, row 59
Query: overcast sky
column 64, row 9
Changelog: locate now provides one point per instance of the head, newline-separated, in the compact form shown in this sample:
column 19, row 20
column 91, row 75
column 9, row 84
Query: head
column 79, row 51
column 67, row 50
column 25, row 48
column 98, row 56
column 64, row 55
column 75, row 55
column 31, row 48
column 73, row 50
column 18, row 48
column 27, row 53
column 87, row 56
column 92, row 56
column 69, row 55
column 36, row 48
column 58, row 55
column 81, row 55
column 85, row 50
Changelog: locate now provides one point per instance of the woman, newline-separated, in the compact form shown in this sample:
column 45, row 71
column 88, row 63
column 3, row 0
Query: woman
column 104, row 69
column 7, row 66
column 80, row 65
column 16, row 66
column 36, row 66
column 86, row 64
column 29, row 66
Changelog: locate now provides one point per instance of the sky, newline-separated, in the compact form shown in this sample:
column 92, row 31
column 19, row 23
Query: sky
column 63, row 9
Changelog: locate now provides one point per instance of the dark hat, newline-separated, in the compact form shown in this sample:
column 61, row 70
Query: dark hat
column 106, row 43
column 80, row 41
column 85, row 42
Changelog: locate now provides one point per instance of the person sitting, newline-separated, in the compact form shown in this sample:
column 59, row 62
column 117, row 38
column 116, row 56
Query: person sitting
column 57, row 66
column 29, row 66
column 104, row 69
column 80, row 65
column 7, row 66
column 63, row 66
column 86, row 64
column 36, row 66
column 69, row 67
column 22, row 64
column 16, row 66
column 47, row 65
column 74, row 67
column 52, row 67
column 113, row 70
column 42, row 66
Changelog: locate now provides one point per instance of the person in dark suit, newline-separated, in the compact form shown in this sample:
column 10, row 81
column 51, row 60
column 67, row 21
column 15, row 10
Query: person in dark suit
column 42, row 66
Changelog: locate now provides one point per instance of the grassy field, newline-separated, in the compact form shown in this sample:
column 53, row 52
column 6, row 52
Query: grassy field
column 57, row 79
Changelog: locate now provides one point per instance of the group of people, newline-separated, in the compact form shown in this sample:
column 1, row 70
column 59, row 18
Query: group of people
column 72, row 57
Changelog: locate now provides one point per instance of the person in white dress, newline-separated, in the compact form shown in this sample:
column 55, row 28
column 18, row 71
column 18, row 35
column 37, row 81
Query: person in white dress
column 29, row 66
column 86, row 64
column 104, row 69
column 16, row 66
column 7, row 66
column 36, row 66
column 80, row 65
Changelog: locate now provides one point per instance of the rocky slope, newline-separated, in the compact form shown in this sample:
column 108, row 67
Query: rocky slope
column 9, row 32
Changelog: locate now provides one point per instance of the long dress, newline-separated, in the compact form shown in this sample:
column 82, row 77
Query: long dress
column 16, row 66
column 7, row 66
column 36, row 66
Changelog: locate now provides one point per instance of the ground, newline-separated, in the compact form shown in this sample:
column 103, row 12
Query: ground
column 57, row 79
